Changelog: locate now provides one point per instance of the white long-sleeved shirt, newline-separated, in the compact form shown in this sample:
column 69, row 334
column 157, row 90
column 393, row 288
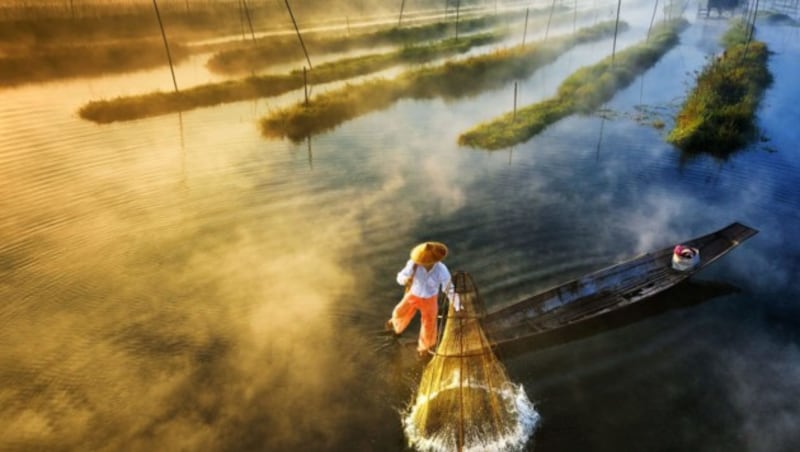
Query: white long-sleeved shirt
column 426, row 283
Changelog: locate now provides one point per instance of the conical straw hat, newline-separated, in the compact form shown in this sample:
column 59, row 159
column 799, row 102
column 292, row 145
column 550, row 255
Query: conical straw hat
column 428, row 253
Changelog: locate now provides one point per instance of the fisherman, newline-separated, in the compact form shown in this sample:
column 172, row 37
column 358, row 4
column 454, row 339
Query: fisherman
column 423, row 276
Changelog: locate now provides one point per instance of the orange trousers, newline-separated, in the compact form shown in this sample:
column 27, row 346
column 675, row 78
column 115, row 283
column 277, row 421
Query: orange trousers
column 404, row 312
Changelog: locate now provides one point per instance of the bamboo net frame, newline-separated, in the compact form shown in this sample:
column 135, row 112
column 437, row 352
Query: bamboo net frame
column 465, row 399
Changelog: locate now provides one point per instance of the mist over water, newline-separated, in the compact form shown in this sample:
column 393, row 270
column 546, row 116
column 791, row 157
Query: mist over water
column 182, row 283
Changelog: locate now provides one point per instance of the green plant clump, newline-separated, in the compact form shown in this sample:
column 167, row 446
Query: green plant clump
column 582, row 92
column 280, row 49
column 159, row 103
column 717, row 116
column 453, row 79
column 736, row 34
column 330, row 109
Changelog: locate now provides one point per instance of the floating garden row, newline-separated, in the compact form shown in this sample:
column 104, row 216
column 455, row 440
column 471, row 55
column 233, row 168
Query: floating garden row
column 243, row 59
column 718, row 115
column 454, row 79
column 29, row 53
column 159, row 103
column 582, row 92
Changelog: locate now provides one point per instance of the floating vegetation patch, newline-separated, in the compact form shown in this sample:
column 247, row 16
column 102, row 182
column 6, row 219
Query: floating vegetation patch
column 328, row 110
column 582, row 92
column 58, row 21
column 271, row 50
column 453, row 79
column 651, row 115
column 737, row 33
column 46, row 40
column 159, row 103
column 718, row 115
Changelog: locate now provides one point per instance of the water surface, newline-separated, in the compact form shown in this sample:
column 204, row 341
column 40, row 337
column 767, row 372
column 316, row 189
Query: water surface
column 181, row 282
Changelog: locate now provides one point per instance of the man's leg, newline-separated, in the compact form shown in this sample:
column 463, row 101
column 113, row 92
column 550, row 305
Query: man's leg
column 427, row 334
column 403, row 313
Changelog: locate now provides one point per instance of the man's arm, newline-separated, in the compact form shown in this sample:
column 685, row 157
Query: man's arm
column 405, row 273
column 449, row 289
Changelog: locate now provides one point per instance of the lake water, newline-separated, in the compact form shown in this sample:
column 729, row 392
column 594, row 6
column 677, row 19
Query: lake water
column 182, row 283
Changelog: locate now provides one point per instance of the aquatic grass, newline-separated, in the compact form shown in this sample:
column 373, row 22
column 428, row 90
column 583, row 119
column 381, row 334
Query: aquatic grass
column 159, row 103
column 328, row 110
column 477, row 74
column 40, row 42
column 736, row 33
column 717, row 116
column 48, row 22
column 517, row 127
column 454, row 79
column 582, row 92
column 269, row 51
column 416, row 53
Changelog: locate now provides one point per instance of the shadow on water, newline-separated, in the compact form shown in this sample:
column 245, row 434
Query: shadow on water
column 398, row 352
column 686, row 294
column 310, row 155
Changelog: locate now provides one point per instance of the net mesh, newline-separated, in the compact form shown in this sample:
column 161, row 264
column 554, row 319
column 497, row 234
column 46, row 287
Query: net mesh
column 465, row 400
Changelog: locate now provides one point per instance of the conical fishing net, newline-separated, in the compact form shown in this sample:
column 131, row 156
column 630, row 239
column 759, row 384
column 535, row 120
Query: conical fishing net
column 465, row 400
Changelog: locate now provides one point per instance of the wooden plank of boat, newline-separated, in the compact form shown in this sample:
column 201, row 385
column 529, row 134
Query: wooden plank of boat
column 606, row 290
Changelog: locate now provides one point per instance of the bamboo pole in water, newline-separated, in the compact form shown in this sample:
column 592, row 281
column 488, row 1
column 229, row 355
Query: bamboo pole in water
column 310, row 155
column 575, row 17
column 616, row 30
column 299, row 36
column 402, row 6
column 752, row 26
column 241, row 20
column 652, row 19
column 305, row 84
column 549, row 19
column 600, row 138
column 751, row 29
column 514, row 117
column 525, row 32
column 458, row 7
column 249, row 22
column 166, row 45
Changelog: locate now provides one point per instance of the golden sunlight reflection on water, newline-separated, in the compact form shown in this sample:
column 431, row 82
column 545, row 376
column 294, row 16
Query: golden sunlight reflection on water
column 182, row 283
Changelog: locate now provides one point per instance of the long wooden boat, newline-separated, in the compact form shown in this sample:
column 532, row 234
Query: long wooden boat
column 605, row 290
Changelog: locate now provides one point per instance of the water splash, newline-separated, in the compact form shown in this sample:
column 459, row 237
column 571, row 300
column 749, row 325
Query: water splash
column 465, row 400
column 521, row 420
